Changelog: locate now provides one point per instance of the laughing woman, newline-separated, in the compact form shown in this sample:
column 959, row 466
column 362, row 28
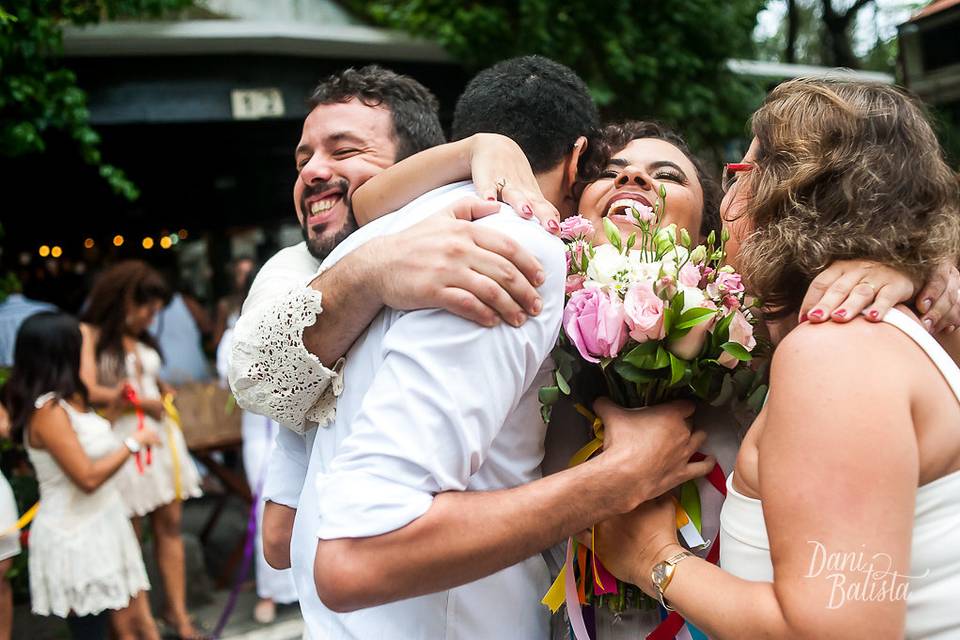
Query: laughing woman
column 843, row 507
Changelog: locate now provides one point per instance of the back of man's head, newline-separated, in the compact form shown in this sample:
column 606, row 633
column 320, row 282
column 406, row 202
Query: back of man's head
column 541, row 104
column 413, row 108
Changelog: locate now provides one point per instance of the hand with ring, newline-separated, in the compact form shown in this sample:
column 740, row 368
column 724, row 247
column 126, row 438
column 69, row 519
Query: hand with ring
column 849, row 288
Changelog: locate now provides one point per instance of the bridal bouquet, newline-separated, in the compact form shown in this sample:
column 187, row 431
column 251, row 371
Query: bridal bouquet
column 648, row 318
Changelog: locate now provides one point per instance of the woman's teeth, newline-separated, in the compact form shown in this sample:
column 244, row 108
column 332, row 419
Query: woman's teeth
column 624, row 205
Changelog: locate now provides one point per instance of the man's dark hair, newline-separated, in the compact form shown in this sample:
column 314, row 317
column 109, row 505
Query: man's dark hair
column 541, row 104
column 413, row 108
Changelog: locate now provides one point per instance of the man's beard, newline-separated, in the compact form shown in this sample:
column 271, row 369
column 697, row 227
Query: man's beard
column 320, row 247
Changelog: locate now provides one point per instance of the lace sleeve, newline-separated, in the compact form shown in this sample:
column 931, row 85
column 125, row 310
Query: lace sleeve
column 273, row 374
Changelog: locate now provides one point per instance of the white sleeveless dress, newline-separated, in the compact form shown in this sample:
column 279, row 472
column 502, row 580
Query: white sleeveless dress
column 84, row 554
column 932, row 601
column 9, row 541
column 156, row 486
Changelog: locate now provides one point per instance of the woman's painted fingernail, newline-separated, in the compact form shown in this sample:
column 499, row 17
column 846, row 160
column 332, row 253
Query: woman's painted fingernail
column 816, row 314
column 840, row 313
column 553, row 226
column 927, row 303
column 527, row 211
column 491, row 199
column 803, row 317
column 928, row 323
column 874, row 314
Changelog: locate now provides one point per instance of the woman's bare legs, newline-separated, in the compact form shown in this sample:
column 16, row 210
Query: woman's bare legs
column 6, row 601
column 135, row 622
column 168, row 545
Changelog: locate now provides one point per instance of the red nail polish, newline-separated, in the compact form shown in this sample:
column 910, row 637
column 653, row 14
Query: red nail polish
column 527, row 211
column 816, row 314
column 840, row 313
column 803, row 317
column 491, row 199
column 874, row 314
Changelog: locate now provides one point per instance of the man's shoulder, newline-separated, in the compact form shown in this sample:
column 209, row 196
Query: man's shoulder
column 295, row 257
column 530, row 235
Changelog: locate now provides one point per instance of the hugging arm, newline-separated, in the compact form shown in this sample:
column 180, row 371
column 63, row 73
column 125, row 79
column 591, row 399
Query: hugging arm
column 286, row 472
column 848, row 288
column 845, row 436
column 486, row 158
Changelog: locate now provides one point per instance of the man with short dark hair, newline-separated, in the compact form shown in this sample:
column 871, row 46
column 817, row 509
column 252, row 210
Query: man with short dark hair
column 422, row 500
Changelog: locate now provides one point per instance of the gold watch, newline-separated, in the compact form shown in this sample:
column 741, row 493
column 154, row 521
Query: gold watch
column 662, row 574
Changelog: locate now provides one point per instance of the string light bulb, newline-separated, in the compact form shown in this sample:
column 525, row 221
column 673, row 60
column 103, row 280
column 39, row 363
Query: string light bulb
column 56, row 251
column 147, row 243
column 44, row 251
column 118, row 240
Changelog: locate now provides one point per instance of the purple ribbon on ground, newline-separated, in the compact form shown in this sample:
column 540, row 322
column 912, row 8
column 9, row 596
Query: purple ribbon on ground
column 248, row 546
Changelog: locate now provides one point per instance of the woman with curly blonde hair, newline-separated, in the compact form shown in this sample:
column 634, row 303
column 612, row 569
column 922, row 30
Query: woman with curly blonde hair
column 842, row 510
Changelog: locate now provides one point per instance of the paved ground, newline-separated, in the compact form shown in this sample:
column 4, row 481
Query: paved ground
column 206, row 603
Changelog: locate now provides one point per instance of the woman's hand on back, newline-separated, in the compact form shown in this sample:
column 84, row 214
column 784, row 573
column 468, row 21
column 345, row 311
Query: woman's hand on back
column 849, row 288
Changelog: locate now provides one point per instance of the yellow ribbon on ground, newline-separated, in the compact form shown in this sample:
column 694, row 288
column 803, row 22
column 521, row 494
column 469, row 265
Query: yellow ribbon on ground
column 174, row 422
column 22, row 522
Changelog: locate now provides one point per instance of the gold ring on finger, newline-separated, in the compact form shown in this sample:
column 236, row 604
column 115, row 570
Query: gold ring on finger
column 869, row 284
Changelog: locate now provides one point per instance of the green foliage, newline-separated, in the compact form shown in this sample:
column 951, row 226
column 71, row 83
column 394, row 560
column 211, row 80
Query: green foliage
column 662, row 60
column 38, row 95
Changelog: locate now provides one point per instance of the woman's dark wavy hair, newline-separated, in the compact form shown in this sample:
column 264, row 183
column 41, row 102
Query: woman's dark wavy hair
column 46, row 358
column 614, row 137
column 127, row 282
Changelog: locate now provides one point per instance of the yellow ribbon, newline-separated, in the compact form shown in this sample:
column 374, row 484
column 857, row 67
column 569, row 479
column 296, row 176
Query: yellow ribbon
column 556, row 596
column 23, row 521
column 175, row 421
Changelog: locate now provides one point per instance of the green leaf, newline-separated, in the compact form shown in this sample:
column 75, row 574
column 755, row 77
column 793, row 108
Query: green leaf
column 693, row 317
column 632, row 374
column 545, row 412
column 562, row 383
column 677, row 367
column 737, row 350
column 726, row 392
column 549, row 395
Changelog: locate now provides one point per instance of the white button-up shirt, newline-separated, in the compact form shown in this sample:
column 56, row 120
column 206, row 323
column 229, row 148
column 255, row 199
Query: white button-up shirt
column 430, row 403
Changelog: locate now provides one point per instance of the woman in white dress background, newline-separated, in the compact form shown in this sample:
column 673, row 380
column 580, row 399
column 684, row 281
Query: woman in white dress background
column 119, row 351
column 9, row 540
column 84, row 555
column 844, row 504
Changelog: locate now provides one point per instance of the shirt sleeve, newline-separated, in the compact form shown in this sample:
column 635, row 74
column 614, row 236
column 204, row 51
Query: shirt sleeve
column 286, row 469
column 439, row 398
column 271, row 372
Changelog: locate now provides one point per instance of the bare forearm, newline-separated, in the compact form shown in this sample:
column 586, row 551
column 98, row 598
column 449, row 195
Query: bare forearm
column 463, row 537
column 412, row 177
column 350, row 302
column 746, row 610
column 98, row 471
column 277, row 529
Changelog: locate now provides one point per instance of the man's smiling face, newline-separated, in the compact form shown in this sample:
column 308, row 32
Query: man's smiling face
column 342, row 146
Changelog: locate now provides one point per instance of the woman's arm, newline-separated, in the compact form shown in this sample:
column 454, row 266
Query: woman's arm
column 838, row 457
column 484, row 157
column 99, row 395
column 50, row 429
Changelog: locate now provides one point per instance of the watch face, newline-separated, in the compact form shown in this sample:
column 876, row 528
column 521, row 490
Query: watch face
column 659, row 574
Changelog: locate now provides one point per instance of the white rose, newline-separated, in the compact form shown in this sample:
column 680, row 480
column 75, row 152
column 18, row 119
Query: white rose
column 606, row 264
column 692, row 297
column 641, row 270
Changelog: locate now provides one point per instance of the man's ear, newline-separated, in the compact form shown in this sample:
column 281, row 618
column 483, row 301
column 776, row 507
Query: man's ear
column 572, row 162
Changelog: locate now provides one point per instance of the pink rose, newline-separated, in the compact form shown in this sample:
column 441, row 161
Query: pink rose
column 741, row 332
column 595, row 322
column 644, row 311
column 574, row 283
column 731, row 303
column 729, row 282
column 576, row 227
column 689, row 275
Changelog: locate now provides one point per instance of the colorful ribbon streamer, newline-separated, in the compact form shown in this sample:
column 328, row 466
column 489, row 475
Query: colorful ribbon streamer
column 565, row 589
column 174, row 416
column 131, row 395
column 23, row 521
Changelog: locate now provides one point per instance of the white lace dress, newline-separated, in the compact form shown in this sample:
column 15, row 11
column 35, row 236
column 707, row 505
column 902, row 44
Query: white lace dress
column 9, row 542
column 156, row 485
column 84, row 554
